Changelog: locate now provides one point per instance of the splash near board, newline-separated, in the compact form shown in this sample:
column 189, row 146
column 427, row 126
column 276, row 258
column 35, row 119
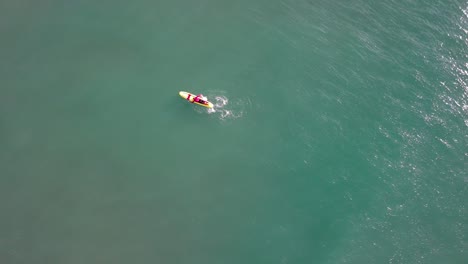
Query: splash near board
column 191, row 98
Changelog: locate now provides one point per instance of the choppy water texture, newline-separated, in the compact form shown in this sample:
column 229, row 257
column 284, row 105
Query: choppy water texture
column 339, row 133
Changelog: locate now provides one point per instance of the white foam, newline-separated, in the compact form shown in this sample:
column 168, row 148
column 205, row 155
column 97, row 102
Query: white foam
column 221, row 101
column 220, row 106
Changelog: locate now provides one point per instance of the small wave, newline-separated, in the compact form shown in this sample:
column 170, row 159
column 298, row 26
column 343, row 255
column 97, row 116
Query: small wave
column 221, row 107
column 221, row 101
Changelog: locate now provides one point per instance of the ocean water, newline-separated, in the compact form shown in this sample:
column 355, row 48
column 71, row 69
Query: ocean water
column 340, row 132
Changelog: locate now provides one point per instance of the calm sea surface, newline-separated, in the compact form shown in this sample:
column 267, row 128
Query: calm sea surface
column 339, row 133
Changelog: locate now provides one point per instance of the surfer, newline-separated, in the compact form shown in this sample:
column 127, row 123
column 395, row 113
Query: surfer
column 199, row 99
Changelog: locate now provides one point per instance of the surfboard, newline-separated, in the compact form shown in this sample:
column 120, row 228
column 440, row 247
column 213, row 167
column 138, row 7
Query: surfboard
column 190, row 97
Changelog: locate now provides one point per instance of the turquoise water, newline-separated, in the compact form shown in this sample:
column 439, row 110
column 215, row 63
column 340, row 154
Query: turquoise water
column 339, row 133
